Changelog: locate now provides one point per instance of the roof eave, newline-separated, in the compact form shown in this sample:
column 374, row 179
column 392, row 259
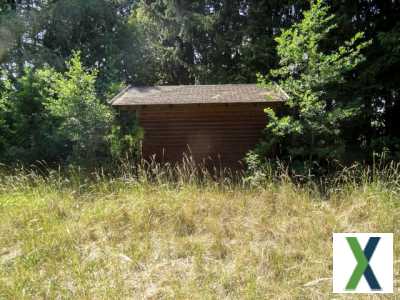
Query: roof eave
column 123, row 91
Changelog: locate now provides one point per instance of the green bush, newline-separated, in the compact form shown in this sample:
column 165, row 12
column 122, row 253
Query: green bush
column 57, row 117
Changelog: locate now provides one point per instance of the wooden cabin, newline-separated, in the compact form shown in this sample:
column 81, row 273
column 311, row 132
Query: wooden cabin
column 214, row 123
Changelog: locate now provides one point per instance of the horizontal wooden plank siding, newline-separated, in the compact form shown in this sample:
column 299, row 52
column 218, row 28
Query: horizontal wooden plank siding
column 222, row 133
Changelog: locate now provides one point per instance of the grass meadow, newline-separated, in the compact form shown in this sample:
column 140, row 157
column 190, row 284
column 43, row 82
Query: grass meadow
column 163, row 234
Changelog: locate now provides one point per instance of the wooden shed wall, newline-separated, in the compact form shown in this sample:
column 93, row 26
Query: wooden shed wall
column 219, row 133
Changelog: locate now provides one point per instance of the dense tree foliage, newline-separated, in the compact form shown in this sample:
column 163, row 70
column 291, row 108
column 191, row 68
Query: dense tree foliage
column 309, row 128
column 56, row 116
column 47, row 32
column 214, row 41
column 145, row 42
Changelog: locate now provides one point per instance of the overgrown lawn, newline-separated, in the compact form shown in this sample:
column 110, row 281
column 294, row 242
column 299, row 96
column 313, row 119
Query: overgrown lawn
column 107, row 238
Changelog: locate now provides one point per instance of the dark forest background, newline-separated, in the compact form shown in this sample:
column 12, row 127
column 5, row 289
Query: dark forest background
column 61, row 61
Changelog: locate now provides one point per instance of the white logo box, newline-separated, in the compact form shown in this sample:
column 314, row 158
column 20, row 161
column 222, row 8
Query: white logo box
column 344, row 263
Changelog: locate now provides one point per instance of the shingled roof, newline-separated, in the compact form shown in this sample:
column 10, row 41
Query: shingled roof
column 197, row 94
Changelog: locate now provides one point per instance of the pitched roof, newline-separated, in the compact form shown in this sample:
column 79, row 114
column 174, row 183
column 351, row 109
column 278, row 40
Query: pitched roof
column 197, row 94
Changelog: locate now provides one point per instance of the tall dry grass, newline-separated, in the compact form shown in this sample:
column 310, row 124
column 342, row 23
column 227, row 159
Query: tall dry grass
column 179, row 232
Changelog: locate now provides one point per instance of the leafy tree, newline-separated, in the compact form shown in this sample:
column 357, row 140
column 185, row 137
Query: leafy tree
column 84, row 120
column 27, row 128
column 310, row 127
column 43, row 32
